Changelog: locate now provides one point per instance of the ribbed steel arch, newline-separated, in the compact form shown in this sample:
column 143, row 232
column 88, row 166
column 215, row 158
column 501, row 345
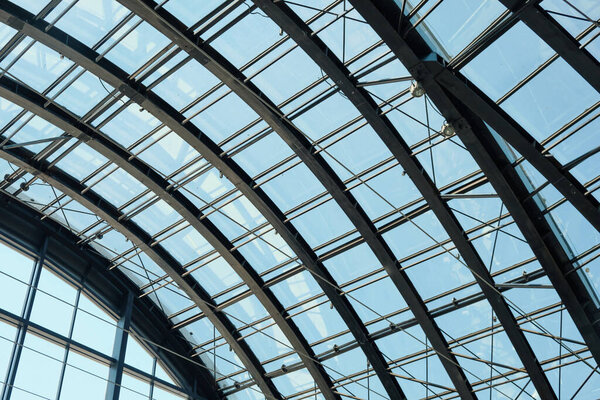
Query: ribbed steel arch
column 171, row 196
column 95, row 203
column 176, row 31
column 383, row 16
column 557, row 37
column 528, row 216
column 33, row 102
column 527, row 146
column 22, row 225
column 268, row 111
column 326, row 59
column 212, row 153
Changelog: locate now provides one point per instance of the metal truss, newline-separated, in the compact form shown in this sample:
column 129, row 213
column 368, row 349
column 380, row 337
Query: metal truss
column 282, row 15
column 557, row 37
column 169, row 26
column 163, row 190
column 489, row 156
column 458, row 101
column 22, row 227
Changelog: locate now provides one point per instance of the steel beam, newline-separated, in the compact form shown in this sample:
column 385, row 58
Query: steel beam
column 532, row 223
column 383, row 15
column 326, row 59
column 105, row 210
column 559, row 39
column 158, row 185
column 235, row 80
column 523, row 142
column 22, row 226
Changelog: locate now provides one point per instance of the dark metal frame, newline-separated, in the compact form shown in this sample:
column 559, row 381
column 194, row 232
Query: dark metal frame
column 58, row 40
column 414, row 53
column 21, row 227
column 169, row 26
column 115, row 373
column 282, row 15
column 557, row 37
column 535, row 228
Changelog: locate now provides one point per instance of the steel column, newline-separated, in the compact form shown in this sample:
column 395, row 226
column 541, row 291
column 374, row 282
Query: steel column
column 15, row 357
column 115, row 373
column 383, row 15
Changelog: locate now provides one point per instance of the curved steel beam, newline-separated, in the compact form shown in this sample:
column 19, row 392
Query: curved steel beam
column 268, row 111
column 22, row 225
column 557, row 37
column 34, row 102
column 161, row 188
column 179, row 202
column 533, row 224
column 172, row 28
column 382, row 15
column 535, row 228
column 523, row 142
column 326, row 59
column 95, row 203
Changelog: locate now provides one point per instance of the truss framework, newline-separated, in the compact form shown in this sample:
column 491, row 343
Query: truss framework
column 463, row 105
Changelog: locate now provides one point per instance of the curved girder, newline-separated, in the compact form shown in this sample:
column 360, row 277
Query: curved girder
column 161, row 188
column 22, row 224
column 95, row 203
column 533, row 224
column 524, row 143
column 169, row 26
column 326, row 59
column 179, row 202
column 380, row 14
column 558, row 38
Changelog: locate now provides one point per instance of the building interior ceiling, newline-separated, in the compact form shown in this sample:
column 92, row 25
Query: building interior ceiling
column 307, row 199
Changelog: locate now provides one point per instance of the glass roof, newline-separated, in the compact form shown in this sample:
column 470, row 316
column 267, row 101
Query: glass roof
column 240, row 180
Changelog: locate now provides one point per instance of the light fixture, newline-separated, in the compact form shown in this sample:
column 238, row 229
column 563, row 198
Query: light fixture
column 416, row 89
column 447, row 130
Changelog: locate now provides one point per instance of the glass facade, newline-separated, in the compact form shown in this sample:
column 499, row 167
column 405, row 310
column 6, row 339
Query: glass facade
column 265, row 174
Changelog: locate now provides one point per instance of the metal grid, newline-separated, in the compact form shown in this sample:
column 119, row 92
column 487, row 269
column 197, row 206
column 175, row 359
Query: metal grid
column 265, row 175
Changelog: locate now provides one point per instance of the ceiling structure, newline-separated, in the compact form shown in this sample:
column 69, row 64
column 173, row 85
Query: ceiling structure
column 351, row 199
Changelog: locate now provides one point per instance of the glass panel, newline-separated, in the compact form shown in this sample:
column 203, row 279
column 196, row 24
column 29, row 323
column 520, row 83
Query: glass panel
column 83, row 375
column 15, row 275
